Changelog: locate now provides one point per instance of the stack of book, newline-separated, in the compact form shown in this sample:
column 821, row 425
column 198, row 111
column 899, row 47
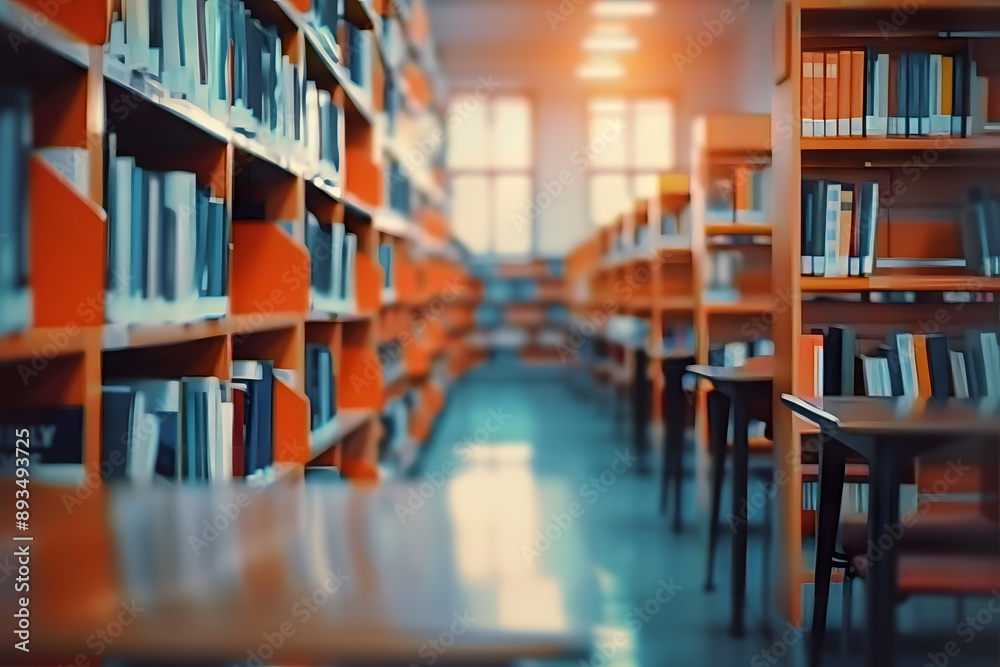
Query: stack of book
column 16, row 139
column 195, row 428
column 168, row 245
column 838, row 362
column 333, row 251
column 324, row 134
column 981, row 232
column 216, row 55
column 321, row 385
column 839, row 228
column 910, row 93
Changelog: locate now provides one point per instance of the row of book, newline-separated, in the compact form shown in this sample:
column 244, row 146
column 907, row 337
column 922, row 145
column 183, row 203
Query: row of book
column 168, row 244
column 839, row 227
column 398, row 188
column 735, row 353
column 321, row 385
column 195, row 428
column 325, row 134
column 737, row 194
column 334, row 252
column 839, row 362
column 16, row 139
column 980, row 225
column 909, row 93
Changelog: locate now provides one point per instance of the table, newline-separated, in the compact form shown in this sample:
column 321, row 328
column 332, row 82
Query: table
column 675, row 410
column 887, row 432
column 748, row 391
column 308, row 574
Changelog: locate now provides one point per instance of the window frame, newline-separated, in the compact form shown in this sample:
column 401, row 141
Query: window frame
column 493, row 173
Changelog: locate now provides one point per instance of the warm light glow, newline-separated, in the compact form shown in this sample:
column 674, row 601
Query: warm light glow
column 610, row 43
column 624, row 8
column 600, row 70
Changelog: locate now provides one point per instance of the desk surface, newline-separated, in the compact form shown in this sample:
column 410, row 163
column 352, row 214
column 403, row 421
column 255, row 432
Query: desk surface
column 343, row 574
column 905, row 416
column 731, row 373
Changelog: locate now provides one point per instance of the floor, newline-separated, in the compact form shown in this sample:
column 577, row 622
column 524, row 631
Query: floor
column 568, row 428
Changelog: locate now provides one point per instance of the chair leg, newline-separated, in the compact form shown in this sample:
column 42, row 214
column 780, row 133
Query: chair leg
column 765, row 612
column 845, row 633
column 718, row 418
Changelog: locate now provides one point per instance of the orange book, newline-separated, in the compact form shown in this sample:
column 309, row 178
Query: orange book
column 857, row 91
column 947, row 81
column 819, row 95
column 807, row 94
column 844, row 94
column 923, row 365
column 809, row 380
column 831, row 87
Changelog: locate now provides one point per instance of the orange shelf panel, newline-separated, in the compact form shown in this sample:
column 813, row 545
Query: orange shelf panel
column 68, row 249
column 908, row 283
column 360, row 380
column 979, row 142
column 86, row 19
column 368, row 281
column 417, row 359
column 292, row 440
column 270, row 270
column 738, row 229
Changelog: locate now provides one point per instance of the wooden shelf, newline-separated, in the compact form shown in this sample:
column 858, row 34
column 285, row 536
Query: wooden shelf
column 738, row 229
column 900, row 283
column 746, row 307
column 335, row 432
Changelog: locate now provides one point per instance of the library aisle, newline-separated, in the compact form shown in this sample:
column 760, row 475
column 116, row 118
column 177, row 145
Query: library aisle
column 554, row 427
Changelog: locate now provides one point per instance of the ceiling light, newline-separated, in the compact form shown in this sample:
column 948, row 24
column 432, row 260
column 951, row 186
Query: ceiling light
column 600, row 70
column 624, row 8
column 610, row 43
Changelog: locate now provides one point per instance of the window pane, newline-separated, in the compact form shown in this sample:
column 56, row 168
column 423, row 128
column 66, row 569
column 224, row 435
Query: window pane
column 511, row 132
column 652, row 134
column 466, row 120
column 645, row 186
column 470, row 213
column 514, row 226
column 609, row 198
column 608, row 145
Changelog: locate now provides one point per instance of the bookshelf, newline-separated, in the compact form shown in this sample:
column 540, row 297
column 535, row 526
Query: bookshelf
column 890, row 299
column 729, row 151
column 80, row 94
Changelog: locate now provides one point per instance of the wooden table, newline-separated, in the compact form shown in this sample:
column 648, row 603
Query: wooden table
column 748, row 390
column 887, row 432
column 675, row 411
column 307, row 574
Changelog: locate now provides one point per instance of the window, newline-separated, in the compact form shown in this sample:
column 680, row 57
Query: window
column 490, row 159
column 631, row 143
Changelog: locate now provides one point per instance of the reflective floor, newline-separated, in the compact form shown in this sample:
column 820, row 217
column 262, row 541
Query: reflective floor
column 552, row 423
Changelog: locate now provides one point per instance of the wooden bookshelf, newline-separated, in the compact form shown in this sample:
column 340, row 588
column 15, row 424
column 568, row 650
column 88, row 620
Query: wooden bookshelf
column 809, row 301
column 723, row 145
column 79, row 95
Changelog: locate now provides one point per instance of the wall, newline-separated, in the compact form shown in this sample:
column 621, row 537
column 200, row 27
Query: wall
column 526, row 49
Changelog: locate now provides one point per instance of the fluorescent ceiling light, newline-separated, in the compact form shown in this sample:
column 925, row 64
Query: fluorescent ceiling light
column 624, row 8
column 600, row 70
column 611, row 43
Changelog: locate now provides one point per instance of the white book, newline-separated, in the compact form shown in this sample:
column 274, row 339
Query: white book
column 225, row 464
column 350, row 252
column 832, row 246
column 818, row 371
column 991, row 362
column 137, row 33
column 339, row 231
column 179, row 206
column 248, row 369
column 116, row 46
column 120, row 234
column 907, row 363
column 940, row 124
column 312, row 125
column 154, row 211
column 218, row 71
column 170, row 24
column 959, row 378
column 286, row 99
column 145, row 440
column 878, row 124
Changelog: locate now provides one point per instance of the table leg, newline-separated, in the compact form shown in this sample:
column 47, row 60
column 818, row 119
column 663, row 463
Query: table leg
column 718, row 427
column 883, row 516
column 741, row 465
column 676, row 422
column 831, row 491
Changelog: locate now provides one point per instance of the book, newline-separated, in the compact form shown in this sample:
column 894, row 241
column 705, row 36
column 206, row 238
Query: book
column 116, row 425
column 56, row 432
column 16, row 138
column 807, row 102
column 810, row 379
column 258, row 376
column 959, row 376
column 922, row 363
column 838, row 357
column 831, row 91
column 867, row 226
column 831, row 213
column 844, row 94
